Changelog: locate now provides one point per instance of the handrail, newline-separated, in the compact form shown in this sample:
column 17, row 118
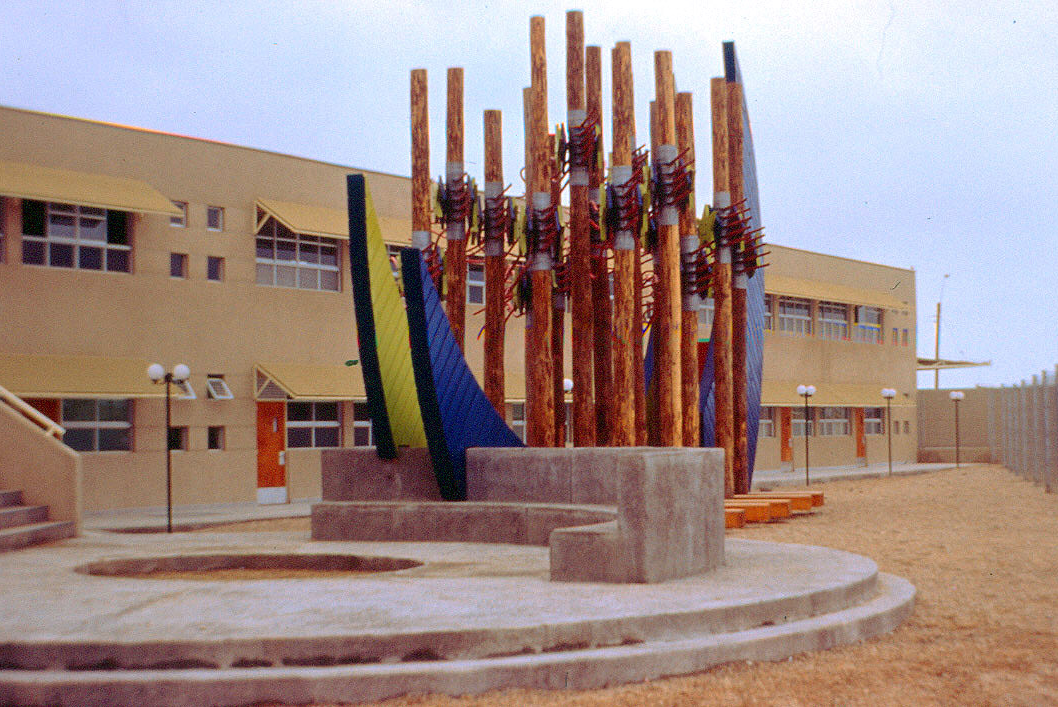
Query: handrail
column 48, row 425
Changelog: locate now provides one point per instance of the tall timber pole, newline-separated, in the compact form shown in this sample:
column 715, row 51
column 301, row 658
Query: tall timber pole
column 495, row 266
column 667, row 299
column 421, row 212
column 601, row 305
column 540, row 397
column 624, row 334
column 721, row 286
column 689, row 377
column 737, row 188
column 558, row 306
column 582, row 323
column 455, row 230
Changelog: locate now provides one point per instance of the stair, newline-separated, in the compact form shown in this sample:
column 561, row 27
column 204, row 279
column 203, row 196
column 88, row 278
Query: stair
column 23, row 526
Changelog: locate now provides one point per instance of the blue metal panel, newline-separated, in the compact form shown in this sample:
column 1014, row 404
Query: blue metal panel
column 456, row 414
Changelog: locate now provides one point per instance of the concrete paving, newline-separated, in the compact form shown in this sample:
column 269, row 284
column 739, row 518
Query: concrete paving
column 774, row 478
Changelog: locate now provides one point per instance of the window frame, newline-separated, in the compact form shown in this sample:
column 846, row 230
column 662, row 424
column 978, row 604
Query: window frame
column 868, row 332
column 314, row 425
column 296, row 243
column 766, row 422
column 179, row 221
column 78, row 244
column 212, row 260
column 217, row 388
column 516, row 417
column 706, row 315
column 475, row 285
column 219, row 212
column 798, row 322
column 178, row 266
column 362, row 423
column 833, row 421
column 832, row 321
column 216, row 438
column 97, row 425
column 874, row 425
column 798, row 423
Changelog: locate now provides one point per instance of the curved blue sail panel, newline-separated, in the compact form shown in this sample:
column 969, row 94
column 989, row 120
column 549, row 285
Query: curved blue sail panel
column 455, row 412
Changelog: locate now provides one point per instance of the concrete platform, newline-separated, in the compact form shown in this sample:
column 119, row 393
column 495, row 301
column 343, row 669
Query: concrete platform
column 472, row 617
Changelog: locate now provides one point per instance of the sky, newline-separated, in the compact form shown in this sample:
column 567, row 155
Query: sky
column 915, row 134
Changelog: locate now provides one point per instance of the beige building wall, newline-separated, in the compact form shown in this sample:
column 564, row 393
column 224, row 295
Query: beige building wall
column 936, row 418
column 227, row 327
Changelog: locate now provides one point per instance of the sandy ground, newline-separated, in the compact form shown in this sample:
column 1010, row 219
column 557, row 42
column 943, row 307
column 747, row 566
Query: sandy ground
column 981, row 546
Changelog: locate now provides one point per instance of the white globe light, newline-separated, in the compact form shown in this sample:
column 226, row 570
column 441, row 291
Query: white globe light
column 801, row 390
column 888, row 393
column 956, row 395
column 155, row 372
column 567, row 384
column 181, row 373
column 811, row 389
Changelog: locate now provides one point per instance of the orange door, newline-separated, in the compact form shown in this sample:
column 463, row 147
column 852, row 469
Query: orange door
column 271, row 444
column 785, row 435
column 861, row 437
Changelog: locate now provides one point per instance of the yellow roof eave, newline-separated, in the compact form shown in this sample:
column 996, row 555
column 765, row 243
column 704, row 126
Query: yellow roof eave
column 315, row 382
column 30, row 181
column 48, row 376
column 830, row 292
column 307, row 219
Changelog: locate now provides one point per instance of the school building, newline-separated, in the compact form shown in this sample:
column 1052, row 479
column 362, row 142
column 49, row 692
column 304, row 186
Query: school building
column 121, row 247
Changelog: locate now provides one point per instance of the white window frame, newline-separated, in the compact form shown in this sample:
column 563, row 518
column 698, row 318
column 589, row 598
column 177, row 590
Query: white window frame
column 363, row 423
column 706, row 314
column 769, row 315
column 315, row 423
column 516, row 418
column 186, row 392
column 217, row 389
column 833, row 321
column 874, row 421
column 475, row 283
column 181, row 220
column 795, row 316
column 797, row 421
column 832, row 421
column 275, row 233
column 79, row 214
column 869, row 332
column 97, row 425
column 219, row 212
column 766, row 422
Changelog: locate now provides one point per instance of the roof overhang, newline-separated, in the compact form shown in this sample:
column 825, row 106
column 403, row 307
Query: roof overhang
column 306, row 219
column 45, row 376
column 30, row 181
column 309, row 382
column 940, row 364
column 831, row 292
column 784, row 394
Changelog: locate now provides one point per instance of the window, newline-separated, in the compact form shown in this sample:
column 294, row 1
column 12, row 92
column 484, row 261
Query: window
column 214, row 268
column 185, row 390
column 475, row 283
column 214, row 218
column 896, row 336
column 795, row 316
column 288, row 259
column 907, row 427
column 178, row 265
column 896, row 426
column 766, row 426
column 833, row 321
column 181, row 220
column 313, row 425
column 833, row 421
column 215, row 438
column 178, row 439
column 797, row 422
column 71, row 236
column 872, row 421
column 363, row 434
column 769, row 308
column 869, row 325
column 97, row 425
column 903, row 338
column 516, row 419
column 706, row 312
column 216, row 388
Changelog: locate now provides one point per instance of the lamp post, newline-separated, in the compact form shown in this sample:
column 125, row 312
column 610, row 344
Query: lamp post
column 956, row 396
column 889, row 394
column 157, row 373
column 806, row 391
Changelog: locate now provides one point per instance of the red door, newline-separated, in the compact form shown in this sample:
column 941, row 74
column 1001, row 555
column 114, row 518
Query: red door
column 861, row 437
column 785, row 435
column 271, row 452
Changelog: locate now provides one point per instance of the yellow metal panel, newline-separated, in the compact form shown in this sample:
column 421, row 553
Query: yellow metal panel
column 308, row 219
column 392, row 339
column 830, row 292
column 27, row 181
column 784, row 394
column 40, row 376
column 304, row 381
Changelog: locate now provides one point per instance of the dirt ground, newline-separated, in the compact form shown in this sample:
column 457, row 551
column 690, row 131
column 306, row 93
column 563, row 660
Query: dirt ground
column 981, row 547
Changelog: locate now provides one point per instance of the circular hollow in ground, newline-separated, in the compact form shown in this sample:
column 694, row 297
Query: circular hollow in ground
column 246, row 566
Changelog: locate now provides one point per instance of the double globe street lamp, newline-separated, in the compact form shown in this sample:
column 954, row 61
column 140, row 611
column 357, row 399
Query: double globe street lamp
column 157, row 373
column 889, row 394
column 806, row 391
column 956, row 396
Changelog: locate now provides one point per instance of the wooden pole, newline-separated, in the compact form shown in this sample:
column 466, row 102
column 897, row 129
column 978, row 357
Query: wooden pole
column 624, row 334
column 721, row 286
column 455, row 232
column 739, row 412
column 558, row 316
column 421, row 212
column 582, row 323
column 667, row 299
column 690, row 381
column 602, row 307
column 540, row 398
column 495, row 281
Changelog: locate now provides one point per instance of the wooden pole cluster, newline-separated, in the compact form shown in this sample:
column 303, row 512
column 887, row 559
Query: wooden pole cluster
column 495, row 266
column 420, row 162
column 455, row 232
column 737, row 189
column 689, row 376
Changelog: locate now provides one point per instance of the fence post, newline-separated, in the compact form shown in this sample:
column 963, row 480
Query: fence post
column 1006, row 426
column 1019, row 429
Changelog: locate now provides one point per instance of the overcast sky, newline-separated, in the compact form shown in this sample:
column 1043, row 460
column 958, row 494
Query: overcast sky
column 915, row 134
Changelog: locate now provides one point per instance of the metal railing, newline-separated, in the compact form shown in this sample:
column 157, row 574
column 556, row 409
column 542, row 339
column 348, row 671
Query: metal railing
column 47, row 425
column 1023, row 428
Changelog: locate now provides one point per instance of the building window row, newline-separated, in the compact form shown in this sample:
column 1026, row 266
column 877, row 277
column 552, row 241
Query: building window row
column 76, row 237
column 832, row 320
column 288, row 259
